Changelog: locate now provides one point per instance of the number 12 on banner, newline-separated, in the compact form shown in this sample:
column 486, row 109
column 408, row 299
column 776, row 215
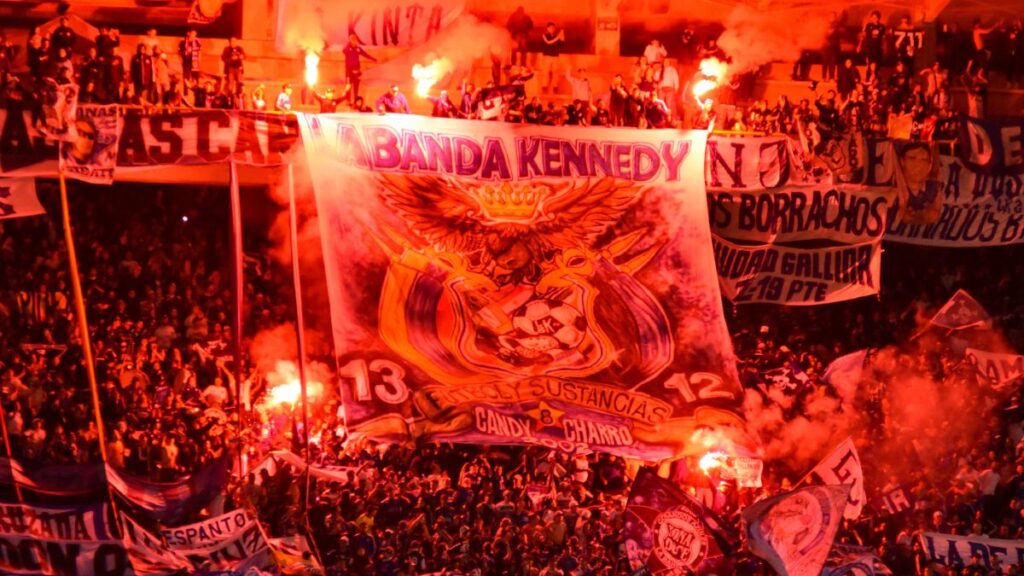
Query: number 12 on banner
column 710, row 386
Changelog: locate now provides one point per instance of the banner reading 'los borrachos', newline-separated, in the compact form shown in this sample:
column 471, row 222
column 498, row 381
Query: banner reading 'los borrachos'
column 517, row 284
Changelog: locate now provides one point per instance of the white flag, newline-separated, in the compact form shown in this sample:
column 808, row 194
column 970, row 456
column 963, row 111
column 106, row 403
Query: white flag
column 842, row 466
column 998, row 368
column 18, row 198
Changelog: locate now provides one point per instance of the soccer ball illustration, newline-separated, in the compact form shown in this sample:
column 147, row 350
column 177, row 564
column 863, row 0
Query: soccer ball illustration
column 544, row 327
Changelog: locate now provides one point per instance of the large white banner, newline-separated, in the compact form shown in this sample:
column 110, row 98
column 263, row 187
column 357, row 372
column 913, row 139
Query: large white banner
column 766, row 274
column 58, row 541
column 953, row 550
column 230, row 542
column 510, row 283
column 18, row 198
column 846, row 213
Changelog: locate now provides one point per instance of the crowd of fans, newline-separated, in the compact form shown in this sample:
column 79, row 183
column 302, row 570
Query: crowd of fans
column 877, row 72
column 159, row 300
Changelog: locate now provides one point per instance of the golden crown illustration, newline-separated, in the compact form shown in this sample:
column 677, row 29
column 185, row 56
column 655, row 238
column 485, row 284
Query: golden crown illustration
column 511, row 203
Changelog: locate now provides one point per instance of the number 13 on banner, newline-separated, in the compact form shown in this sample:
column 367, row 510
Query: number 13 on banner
column 709, row 386
column 391, row 389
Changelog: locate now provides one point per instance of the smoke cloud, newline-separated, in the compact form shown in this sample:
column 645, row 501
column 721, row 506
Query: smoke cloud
column 754, row 37
column 447, row 57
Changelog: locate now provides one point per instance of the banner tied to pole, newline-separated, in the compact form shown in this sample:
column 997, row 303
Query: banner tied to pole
column 522, row 284
column 794, row 531
column 90, row 154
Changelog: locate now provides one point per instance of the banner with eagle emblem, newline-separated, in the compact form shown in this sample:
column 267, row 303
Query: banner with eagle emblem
column 502, row 283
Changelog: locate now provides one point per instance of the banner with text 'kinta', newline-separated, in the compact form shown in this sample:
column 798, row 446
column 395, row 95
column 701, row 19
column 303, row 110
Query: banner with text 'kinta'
column 767, row 274
column 500, row 283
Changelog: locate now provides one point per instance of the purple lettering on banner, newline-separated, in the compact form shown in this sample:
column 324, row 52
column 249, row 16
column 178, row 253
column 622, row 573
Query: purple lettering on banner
column 468, row 156
column 527, row 149
column 384, row 144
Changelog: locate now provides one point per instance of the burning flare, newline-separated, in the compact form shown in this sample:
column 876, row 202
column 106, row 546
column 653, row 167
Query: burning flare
column 312, row 68
column 288, row 389
column 427, row 76
column 712, row 460
column 713, row 72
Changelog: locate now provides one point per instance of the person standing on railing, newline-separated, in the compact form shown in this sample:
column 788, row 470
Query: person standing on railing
column 552, row 49
column 89, row 69
column 354, row 53
column 233, row 58
column 113, row 77
column 62, row 37
column 142, row 73
column 161, row 76
column 519, row 25
column 190, row 50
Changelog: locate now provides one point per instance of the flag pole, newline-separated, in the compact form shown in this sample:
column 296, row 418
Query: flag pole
column 83, row 329
column 238, row 285
column 300, row 337
column 300, row 324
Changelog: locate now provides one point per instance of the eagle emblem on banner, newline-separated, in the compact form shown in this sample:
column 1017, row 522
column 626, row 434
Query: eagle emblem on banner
column 518, row 279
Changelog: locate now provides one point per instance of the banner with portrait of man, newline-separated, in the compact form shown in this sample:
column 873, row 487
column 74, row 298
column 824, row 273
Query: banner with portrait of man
column 503, row 283
column 917, row 182
column 90, row 152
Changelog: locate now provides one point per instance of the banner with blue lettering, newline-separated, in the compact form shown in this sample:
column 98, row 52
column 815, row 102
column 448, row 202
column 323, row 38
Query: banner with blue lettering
column 505, row 283
column 766, row 274
column 59, row 541
column 976, row 209
column 231, row 542
column 992, row 146
column 952, row 550
column 845, row 213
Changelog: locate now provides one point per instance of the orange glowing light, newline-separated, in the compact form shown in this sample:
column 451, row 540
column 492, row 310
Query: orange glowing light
column 312, row 68
column 712, row 460
column 714, row 72
column 285, row 387
column 427, row 76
